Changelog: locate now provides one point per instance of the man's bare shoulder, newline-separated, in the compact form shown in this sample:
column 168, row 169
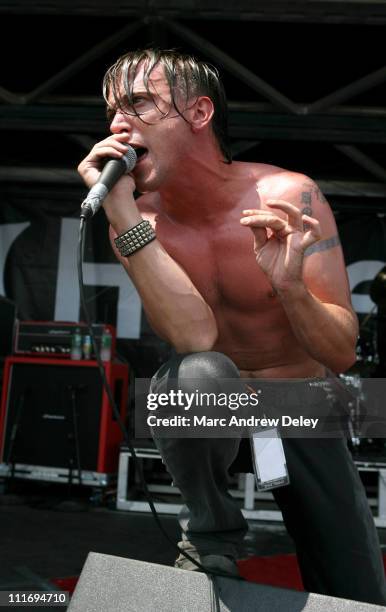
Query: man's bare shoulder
column 273, row 180
column 295, row 187
column 276, row 181
column 256, row 170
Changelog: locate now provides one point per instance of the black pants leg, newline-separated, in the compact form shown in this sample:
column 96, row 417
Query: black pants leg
column 212, row 521
column 324, row 507
column 326, row 511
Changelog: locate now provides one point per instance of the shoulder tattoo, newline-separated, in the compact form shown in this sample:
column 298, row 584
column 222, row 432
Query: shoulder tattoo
column 306, row 201
column 313, row 189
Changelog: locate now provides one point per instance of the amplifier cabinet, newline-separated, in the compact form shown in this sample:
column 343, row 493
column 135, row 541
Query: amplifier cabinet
column 55, row 413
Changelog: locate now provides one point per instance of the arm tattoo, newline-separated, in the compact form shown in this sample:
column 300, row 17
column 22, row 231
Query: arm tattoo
column 307, row 210
column 306, row 200
column 322, row 245
column 320, row 196
column 314, row 189
column 306, row 197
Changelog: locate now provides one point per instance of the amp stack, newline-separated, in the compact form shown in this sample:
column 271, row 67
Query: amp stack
column 56, row 422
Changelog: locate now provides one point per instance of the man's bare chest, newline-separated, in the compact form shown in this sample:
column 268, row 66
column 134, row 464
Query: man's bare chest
column 221, row 263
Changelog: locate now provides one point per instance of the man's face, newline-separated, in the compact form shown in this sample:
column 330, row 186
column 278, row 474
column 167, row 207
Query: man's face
column 159, row 133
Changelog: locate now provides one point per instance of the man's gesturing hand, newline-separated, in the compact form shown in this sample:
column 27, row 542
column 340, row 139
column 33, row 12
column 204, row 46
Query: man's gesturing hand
column 280, row 243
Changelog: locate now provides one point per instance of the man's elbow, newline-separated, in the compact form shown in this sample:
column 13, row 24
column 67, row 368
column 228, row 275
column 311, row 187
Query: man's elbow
column 347, row 354
column 344, row 361
column 201, row 340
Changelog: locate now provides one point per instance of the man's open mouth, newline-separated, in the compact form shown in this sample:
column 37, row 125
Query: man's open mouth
column 141, row 152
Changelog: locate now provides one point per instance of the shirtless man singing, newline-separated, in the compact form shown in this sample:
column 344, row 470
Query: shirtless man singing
column 239, row 267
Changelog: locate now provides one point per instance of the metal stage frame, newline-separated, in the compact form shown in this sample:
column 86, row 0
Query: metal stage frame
column 244, row 490
column 348, row 119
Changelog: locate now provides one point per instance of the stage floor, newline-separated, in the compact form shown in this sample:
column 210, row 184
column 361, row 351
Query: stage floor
column 47, row 535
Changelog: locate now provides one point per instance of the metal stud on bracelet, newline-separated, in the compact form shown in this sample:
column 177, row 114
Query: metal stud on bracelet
column 135, row 238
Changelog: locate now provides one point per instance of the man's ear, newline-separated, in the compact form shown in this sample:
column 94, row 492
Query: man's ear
column 201, row 113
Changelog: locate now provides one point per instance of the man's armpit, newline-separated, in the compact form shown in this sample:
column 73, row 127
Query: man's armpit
column 322, row 245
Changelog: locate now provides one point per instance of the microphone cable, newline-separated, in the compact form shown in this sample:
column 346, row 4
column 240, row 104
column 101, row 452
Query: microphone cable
column 137, row 464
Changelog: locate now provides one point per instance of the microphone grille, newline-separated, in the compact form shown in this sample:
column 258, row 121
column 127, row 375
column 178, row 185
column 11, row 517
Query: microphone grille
column 130, row 158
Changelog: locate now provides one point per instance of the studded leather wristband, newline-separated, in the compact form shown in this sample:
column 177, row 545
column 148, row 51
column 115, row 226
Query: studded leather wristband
column 135, row 238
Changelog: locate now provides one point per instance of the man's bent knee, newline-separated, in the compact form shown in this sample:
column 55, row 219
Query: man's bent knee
column 210, row 364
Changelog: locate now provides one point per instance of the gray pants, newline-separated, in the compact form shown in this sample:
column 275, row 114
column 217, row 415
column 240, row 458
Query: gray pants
column 324, row 507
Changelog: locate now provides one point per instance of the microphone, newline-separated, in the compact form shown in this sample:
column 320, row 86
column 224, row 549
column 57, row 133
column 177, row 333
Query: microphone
column 111, row 173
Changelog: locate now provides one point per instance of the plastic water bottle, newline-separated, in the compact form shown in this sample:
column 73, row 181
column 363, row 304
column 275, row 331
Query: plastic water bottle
column 106, row 342
column 76, row 345
column 87, row 347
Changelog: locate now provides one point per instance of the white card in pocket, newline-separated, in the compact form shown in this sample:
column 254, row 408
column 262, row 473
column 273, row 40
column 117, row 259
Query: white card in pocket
column 269, row 459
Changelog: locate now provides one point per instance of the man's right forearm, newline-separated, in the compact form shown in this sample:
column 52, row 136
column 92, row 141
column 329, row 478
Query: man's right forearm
column 174, row 307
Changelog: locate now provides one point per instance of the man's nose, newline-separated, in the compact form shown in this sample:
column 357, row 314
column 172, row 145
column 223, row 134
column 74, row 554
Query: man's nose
column 120, row 123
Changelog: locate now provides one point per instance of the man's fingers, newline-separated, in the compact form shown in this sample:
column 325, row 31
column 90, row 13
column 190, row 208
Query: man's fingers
column 110, row 147
column 313, row 233
column 294, row 214
column 251, row 211
column 107, row 151
column 262, row 221
column 260, row 235
column 262, row 218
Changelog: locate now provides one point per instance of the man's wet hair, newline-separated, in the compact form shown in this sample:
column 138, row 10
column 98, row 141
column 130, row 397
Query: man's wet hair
column 187, row 78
